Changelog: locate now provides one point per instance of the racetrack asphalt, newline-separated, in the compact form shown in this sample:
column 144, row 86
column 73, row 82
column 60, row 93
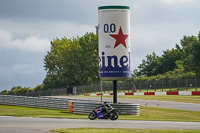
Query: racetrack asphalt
column 149, row 103
column 44, row 125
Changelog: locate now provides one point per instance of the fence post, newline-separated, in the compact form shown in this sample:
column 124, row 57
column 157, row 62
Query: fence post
column 196, row 84
column 186, row 85
column 155, row 84
column 178, row 83
column 140, row 85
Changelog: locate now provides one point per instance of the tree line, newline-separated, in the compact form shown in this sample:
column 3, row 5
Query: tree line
column 74, row 62
column 183, row 61
column 22, row 91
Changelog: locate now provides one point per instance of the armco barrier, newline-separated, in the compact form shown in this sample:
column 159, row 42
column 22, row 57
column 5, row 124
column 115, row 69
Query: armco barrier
column 124, row 108
column 78, row 106
column 38, row 102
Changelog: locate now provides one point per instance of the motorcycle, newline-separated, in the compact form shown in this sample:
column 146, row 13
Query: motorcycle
column 105, row 111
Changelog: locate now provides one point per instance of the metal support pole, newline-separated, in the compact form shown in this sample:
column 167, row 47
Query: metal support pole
column 101, row 89
column 114, row 91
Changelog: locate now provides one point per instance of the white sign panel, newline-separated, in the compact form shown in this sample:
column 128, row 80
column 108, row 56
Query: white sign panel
column 114, row 42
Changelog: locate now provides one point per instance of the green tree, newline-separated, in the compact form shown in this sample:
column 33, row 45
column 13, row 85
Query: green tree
column 191, row 51
column 147, row 67
column 168, row 60
column 72, row 62
column 187, row 54
column 4, row 92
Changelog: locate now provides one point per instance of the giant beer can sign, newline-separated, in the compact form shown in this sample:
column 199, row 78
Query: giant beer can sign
column 114, row 42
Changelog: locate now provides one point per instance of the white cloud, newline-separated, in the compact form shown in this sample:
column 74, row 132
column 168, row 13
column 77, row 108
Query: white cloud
column 5, row 37
column 176, row 1
column 31, row 43
column 50, row 29
column 20, row 75
column 23, row 69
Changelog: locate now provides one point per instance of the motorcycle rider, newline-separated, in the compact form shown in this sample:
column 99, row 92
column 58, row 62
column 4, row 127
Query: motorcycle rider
column 105, row 111
column 105, row 107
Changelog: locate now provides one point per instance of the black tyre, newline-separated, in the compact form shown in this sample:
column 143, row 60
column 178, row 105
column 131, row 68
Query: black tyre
column 92, row 116
column 113, row 116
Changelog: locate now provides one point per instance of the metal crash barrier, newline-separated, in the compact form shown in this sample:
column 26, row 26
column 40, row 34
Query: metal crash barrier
column 71, row 105
column 86, row 107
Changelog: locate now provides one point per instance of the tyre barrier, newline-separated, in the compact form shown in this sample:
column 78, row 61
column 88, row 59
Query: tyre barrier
column 72, row 105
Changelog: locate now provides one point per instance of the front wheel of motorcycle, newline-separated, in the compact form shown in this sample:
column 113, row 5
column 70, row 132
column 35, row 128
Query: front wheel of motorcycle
column 113, row 116
column 92, row 116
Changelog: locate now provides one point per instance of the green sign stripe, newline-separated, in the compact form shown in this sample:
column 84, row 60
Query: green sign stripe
column 113, row 7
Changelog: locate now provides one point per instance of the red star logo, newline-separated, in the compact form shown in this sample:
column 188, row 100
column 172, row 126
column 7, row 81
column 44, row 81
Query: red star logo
column 120, row 38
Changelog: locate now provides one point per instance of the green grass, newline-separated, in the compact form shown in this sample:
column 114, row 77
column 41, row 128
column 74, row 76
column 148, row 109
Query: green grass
column 174, row 98
column 123, row 130
column 148, row 90
column 162, row 114
column 6, row 110
column 146, row 114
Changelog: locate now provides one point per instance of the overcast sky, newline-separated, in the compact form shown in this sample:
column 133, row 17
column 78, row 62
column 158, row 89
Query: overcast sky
column 28, row 26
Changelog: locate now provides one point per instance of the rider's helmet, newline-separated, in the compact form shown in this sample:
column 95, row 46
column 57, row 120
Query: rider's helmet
column 106, row 104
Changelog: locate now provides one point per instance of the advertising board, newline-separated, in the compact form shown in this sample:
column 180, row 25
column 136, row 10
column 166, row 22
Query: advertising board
column 114, row 42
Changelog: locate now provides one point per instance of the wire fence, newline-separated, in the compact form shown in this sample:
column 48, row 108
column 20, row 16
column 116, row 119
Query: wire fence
column 162, row 85
column 141, row 86
column 48, row 92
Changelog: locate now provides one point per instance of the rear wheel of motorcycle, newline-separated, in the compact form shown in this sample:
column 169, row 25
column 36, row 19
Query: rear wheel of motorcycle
column 113, row 116
column 92, row 116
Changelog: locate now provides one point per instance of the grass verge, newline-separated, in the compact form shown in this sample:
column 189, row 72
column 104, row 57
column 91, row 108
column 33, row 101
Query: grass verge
column 123, row 130
column 146, row 114
column 174, row 98
column 163, row 114
column 6, row 110
column 148, row 90
column 186, row 99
